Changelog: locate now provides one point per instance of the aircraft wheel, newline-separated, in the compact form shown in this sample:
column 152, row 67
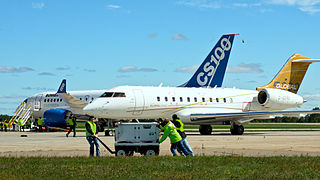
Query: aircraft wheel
column 237, row 130
column 205, row 129
column 121, row 152
column 130, row 153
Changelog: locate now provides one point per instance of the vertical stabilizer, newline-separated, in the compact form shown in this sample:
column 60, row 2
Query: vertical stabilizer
column 291, row 75
column 211, row 71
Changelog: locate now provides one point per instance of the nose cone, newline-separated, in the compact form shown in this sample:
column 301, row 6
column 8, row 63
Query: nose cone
column 91, row 109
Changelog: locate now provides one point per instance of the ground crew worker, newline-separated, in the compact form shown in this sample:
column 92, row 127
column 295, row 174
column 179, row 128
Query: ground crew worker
column 40, row 123
column 91, row 136
column 179, row 125
column 1, row 125
column 5, row 124
column 14, row 122
column 20, row 124
column 175, row 138
column 72, row 125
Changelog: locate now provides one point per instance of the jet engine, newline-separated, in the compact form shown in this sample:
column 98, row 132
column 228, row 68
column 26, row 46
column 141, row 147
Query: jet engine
column 56, row 117
column 277, row 98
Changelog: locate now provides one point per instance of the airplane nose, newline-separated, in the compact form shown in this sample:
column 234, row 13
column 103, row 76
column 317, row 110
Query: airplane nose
column 90, row 110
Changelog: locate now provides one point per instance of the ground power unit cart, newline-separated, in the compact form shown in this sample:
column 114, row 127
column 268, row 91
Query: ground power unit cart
column 142, row 138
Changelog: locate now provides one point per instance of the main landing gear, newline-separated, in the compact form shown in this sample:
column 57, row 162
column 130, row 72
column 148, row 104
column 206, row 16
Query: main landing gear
column 236, row 129
column 205, row 129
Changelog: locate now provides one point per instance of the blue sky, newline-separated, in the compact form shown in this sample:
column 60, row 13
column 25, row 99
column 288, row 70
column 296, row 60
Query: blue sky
column 105, row 43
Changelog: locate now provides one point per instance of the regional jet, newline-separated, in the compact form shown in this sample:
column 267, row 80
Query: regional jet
column 208, row 106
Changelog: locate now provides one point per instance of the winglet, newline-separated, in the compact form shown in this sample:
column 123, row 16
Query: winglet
column 63, row 87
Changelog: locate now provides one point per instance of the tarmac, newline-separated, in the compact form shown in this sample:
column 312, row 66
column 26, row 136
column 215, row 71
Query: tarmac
column 256, row 144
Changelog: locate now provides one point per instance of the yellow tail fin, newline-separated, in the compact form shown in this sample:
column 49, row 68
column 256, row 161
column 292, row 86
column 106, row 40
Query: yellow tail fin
column 291, row 75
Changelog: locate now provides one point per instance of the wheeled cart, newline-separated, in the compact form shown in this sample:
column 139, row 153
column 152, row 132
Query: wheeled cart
column 142, row 138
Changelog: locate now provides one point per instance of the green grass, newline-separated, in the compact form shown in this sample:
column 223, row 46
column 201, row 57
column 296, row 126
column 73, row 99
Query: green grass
column 165, row 167
column 262, row 126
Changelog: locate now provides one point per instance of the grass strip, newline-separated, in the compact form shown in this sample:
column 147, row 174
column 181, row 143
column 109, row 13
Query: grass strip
column 160, row 167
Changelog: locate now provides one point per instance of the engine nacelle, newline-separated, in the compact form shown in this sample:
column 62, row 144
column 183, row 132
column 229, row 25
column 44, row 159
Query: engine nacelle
column 56, row 117
column 278, row 99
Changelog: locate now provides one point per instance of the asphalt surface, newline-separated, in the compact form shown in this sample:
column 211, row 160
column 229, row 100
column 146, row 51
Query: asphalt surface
column 270, row 143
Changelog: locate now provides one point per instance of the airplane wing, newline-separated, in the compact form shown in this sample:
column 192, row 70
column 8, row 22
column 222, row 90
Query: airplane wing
column 205, row 117
column 74, row 103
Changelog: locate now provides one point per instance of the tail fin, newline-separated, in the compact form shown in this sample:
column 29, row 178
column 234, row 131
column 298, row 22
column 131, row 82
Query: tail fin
column 211, row 71
column 291, row 75
column 62, row 87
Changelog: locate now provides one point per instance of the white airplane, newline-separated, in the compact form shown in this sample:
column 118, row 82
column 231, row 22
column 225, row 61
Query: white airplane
column 207, row 106
column 60, row 103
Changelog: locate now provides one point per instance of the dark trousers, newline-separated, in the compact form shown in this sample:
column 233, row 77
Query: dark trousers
column 73, row 127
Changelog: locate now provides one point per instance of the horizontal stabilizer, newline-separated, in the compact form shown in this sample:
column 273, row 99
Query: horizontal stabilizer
column 307, row 60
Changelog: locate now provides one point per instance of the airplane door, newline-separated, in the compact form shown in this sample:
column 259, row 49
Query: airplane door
column 246, row 106
column 37, row 103
column 139, row 102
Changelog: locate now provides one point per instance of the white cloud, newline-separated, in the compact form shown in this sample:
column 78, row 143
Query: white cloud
column 179, row 37
column 112, row 6
column 10, row 69
column 90, row 70
column 309, row 6
column 153, row 35
column 201, row 4
column 245, row 68
column 37, row 5
column 63, row 68
column 187, row 69
column 135, row 69
column 46, row 74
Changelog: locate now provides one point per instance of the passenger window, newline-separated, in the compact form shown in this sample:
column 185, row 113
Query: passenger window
column 80, row 99
column 92, row 99
column 203, row 99
column 210, row 99
column 86, row 99
column 231, row 101
column 173, row 99
column 51, row 100
column 188, row 99
column 158, row 98
column 54, row 100
column 181, row 99
column 165, row 98
column 224, row 100
column 217, row 99
column 45, row 100
column 195, row 99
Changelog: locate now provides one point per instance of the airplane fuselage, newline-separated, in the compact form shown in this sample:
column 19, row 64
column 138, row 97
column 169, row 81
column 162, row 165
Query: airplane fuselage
column 136, row 102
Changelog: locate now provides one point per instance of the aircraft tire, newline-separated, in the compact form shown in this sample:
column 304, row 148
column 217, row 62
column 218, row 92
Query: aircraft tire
column 205, row 129
column 237, row 130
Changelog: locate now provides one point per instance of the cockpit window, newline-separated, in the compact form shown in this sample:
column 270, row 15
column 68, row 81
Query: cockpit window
column 119, row 94
column 107, row 94
column 113, row 94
